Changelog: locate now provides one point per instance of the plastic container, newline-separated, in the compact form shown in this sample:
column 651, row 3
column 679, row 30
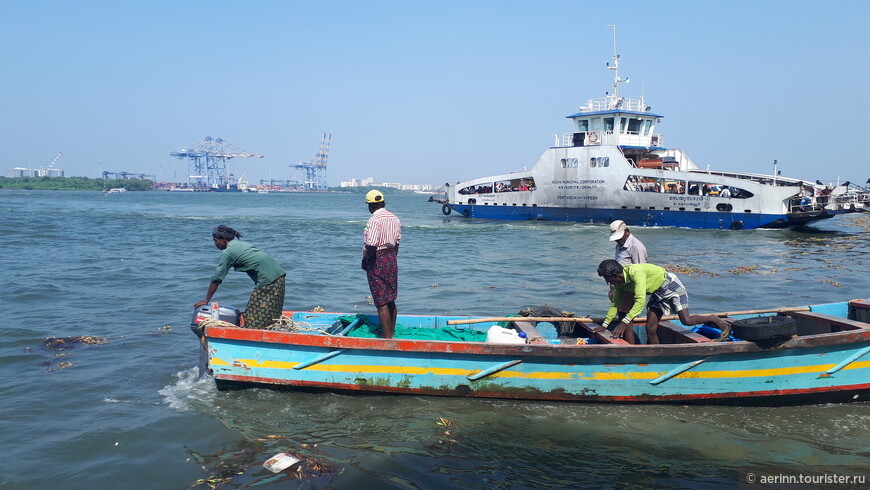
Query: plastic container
column 224, row 313
column 499, row 335
column 280, row 462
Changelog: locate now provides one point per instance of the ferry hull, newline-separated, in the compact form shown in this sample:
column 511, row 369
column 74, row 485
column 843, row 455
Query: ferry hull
column 819, row 367
column 632, row 217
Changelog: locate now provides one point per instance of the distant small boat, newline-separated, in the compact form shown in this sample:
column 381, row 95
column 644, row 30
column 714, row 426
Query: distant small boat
column 810, row 354
column 116, row 190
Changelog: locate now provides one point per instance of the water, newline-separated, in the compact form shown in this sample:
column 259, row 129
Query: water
column 132, row 414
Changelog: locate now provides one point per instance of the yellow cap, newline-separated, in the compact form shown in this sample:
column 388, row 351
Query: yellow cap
column 374, row 196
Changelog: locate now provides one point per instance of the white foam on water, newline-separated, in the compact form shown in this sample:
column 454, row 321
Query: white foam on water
column 189, row 390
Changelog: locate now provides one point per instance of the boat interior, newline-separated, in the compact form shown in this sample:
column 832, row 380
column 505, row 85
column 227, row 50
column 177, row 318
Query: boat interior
column 855, row 317
column 823, row 319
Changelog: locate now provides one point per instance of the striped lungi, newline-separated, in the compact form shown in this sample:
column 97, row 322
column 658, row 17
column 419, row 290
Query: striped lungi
column 670, row 297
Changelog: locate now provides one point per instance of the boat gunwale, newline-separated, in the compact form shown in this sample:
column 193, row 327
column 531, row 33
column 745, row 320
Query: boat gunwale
column 291, row 339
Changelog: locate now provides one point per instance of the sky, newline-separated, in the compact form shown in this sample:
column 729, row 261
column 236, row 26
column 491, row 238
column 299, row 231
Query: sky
column 427, row 92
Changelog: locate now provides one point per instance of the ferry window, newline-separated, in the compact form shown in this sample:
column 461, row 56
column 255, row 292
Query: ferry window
column 718, row 190
column 582, row 125
column 514, row 185
column 564, row 163
column 569, row 163
column 674, row 186
column 641, row 183
column 608, row 124
column 599, row 162
column 634, row 126
column 623, row 126
column 646, row 126
column 476, row 189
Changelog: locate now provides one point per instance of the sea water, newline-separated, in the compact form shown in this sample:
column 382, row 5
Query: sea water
column 131, row 412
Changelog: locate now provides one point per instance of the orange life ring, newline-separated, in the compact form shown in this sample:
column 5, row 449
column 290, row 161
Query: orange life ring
column 593, row 137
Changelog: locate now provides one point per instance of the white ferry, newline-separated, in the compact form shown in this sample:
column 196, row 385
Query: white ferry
column 614, row 165
column 116, row 190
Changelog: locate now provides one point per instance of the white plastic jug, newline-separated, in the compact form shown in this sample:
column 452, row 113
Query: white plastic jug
column 499, row 335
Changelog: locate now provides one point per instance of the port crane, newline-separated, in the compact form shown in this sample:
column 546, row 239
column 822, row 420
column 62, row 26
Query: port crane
column 315, row 169
column 207, row 162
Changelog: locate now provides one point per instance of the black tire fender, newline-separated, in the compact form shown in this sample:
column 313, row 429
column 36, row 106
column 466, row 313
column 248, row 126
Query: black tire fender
column 445, row 209
column 761, row 328
column 466, row 212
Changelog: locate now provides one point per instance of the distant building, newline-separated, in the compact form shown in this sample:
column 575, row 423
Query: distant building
column 19, row 172
column 370, row 182
column 34, row 172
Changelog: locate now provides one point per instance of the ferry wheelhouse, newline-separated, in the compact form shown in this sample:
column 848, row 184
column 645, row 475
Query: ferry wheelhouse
column 614, row 165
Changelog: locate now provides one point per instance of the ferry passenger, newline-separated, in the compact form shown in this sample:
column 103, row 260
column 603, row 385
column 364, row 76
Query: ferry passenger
column 629, row 250
column 267, row 300
column 725, row 192
column 667, row 296
column 380, row 247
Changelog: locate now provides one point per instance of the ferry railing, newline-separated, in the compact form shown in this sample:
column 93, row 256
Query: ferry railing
column 610, row 103
column 612, row 138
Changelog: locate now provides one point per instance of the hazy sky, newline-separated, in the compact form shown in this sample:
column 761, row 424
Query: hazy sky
column 427, row 92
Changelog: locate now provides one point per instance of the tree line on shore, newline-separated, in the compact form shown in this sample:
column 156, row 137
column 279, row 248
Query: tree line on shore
column 73, row 184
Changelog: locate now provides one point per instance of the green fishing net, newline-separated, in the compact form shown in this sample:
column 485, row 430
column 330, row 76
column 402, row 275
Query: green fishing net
column 368, row 329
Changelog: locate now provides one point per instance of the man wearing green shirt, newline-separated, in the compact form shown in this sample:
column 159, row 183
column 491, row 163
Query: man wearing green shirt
column 267, row 299
column 667, row 296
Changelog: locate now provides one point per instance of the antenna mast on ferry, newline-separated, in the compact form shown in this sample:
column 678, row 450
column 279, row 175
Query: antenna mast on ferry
column 615, row 67
column 613, row 98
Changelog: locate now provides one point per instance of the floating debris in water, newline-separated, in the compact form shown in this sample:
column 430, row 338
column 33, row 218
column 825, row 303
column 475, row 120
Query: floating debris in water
column 318, row 309
column 165, row 328
column 242, row 467
column 684, row 270
column 58, row 366
column 62, row 343
column 433, row 285
column 745, row 269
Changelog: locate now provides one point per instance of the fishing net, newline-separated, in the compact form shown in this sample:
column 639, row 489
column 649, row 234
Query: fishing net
column 366, row 328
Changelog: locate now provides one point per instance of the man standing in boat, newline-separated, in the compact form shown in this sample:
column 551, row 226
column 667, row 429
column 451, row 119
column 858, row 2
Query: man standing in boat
column 629, row 250
column 267, row 299
column 380, row 247
column 667, row 296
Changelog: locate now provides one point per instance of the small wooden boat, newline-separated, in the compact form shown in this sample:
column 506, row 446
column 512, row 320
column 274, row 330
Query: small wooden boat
column 799, row 355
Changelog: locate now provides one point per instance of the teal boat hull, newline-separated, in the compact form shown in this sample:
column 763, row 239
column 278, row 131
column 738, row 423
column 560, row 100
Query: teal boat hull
column 829, row 361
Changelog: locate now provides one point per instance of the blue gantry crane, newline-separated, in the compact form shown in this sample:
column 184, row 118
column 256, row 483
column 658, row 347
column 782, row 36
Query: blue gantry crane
column 207, row 162
column 315, row 170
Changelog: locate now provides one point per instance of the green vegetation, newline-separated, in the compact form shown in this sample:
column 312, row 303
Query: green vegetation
column 72, row 184
column 364, row 190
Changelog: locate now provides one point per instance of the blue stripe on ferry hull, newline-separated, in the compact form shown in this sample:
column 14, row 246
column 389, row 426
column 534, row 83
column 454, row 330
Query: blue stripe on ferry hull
column 632, row 217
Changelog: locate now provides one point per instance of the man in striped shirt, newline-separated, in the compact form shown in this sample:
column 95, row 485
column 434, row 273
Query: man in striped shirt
column 380, row 246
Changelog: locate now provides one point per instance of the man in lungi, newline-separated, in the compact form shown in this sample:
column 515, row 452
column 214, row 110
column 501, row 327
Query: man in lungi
column 380, row 246
column 267, row 300
column 667, row 296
